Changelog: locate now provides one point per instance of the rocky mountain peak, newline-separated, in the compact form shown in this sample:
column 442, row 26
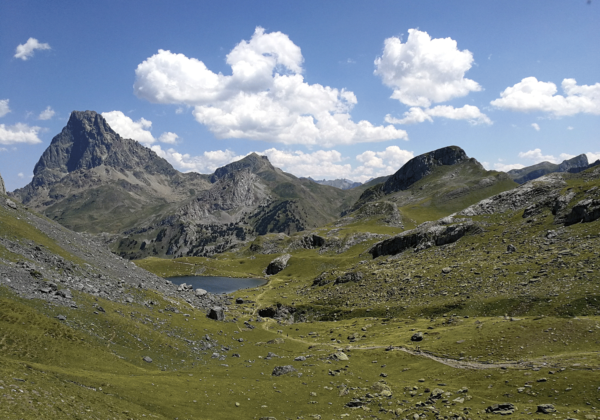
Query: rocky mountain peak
column 577, row 162
column 253, row 162
column 421, row 166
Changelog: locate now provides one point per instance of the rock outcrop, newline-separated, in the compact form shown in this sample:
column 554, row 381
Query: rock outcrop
column 278, row 264
column 2, row 187
column 442, row 232
column 421, row 166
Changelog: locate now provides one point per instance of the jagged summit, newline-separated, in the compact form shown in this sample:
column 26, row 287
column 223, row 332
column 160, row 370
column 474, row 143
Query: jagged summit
column 254, row 162
column 421, row 166
column 86, row 142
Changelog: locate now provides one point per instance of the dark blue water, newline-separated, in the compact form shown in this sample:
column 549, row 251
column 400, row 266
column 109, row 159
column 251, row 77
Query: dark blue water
column 218, row 284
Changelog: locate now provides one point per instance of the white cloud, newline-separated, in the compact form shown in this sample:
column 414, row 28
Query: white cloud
column 19, row 133
column 505, row 167
column 23, row 176
column 26, row 50
column 566, row 156
column 530, row 95
column 168, row 137
column 129, row 129
column 265, row 98
column 569, row 128
column 4, row 108
column 417, row 115
column 537, row 156
column 179, row 110
column 423, row 70
column 205, row 163
column 46, row 114
column 592, row 157
column 319, row 164
column 535, row 126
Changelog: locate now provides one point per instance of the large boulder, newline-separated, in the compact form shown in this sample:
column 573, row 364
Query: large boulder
column 217, row 313
column 277, row 264
column 282, row 370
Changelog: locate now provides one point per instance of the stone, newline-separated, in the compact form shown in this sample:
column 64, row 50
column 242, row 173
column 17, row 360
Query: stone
column 502, row 409
column 511, row 248
column 11, row 204
column 282, row 370
column 217, row 313
column 418, row 336
column 300, row 359
column 2, row 187
column 278, row 264
column 340, row 355
column 446, row 270
column 436, row 394
column 61, row 318
column 147, row 359
column 200, row 292
column 239, row 301
column 546, row 409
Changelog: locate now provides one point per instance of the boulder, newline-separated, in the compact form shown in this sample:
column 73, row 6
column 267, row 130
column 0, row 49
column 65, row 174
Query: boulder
column 418, row 336
column 502, row 409
column 586, row 210
column 546, row 409
column 217, row 313
column 277, row 264
column 282, row 370
column 340, row 355
column 147, row 359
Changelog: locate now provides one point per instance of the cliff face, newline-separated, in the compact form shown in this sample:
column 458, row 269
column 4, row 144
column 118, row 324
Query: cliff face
column 421, row 166
column 573, row 165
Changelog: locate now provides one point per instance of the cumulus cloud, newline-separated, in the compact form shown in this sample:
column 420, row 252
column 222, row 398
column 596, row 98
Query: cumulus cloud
column 536, row 156
column 505, row 167
column 423, row 71
column 417, row 115
column 319, row 164
column 4, row 108
column 25, row 51
column 168, row 137
column 265, row 97
column 592, row 157
column 566, row 156
column 535, row 126
column 46, row 114
column 127, row 128
column 205, row 163
column 531, row 95
column 19, row 133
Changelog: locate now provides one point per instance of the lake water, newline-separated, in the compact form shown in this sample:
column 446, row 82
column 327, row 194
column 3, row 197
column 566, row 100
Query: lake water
column 218, row 284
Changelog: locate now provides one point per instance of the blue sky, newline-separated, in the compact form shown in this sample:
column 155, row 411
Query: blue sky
column 325, row 89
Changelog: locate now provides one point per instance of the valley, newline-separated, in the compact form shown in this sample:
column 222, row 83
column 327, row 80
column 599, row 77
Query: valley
column 445, row 291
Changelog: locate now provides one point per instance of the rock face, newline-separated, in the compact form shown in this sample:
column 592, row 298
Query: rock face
column 342, row 184
column 278, row 264
column 421, row 166
column 425, row 236
column 217, row 313
column 2, row 188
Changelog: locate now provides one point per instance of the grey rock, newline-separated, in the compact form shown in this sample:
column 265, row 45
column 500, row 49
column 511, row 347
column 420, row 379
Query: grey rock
column 300, row 359
column 217, row 313
column 147, row 359
column 200, row 292
column 2, row 187
column 423, row 236
column 418, row 336
column 511, row 248
column 282, row 370
column 278, row 264
column 502, row 409
column 239, row 301
column 586, row 210
column 546, row 409
column 61, row 318
column 11, row 204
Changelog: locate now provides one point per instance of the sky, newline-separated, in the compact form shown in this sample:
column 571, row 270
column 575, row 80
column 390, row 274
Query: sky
column 334, row 89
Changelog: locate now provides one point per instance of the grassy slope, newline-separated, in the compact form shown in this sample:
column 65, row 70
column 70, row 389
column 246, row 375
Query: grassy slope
column 91, row 366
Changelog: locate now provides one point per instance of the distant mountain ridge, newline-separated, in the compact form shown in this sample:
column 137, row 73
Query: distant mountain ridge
column 342, row 184
column 574, row 165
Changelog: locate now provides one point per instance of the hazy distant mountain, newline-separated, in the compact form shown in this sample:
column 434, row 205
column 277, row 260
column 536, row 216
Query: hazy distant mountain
column 342, row 184
column 573, row 165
